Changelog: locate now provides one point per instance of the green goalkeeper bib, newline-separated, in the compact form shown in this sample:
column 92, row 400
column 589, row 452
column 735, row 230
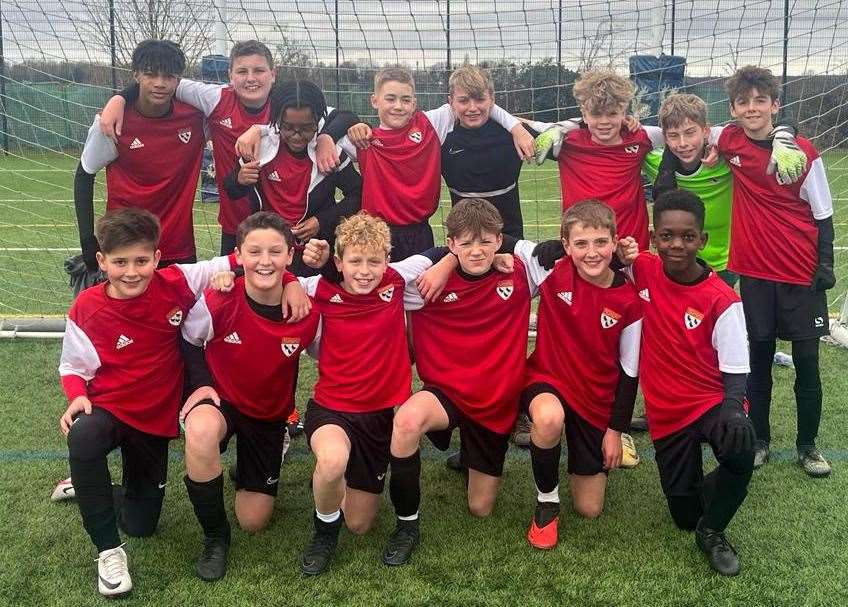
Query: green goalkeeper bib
column 714, row 186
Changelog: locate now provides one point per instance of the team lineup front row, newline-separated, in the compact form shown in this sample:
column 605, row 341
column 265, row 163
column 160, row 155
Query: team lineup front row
column 611, row 315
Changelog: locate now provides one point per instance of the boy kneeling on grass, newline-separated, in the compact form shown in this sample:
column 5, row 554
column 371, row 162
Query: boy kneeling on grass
column 123, row 376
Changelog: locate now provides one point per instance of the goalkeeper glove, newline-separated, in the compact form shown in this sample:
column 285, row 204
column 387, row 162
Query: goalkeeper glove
column 548, row 252
column 738, row 430
column 90, row 247
column 550, row 140
column 824, row 279
column 787, row 159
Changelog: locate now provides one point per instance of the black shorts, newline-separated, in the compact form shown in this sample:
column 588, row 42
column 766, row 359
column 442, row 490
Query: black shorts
column 410, row 239
column 583, row 440
column 783, row 311
column 480, row 449
column 679, row 458
column 260, row 449
column 370, row 436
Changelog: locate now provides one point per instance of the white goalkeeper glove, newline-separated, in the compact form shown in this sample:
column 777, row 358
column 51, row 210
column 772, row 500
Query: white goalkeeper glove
column 550, row 140
column 788, row 162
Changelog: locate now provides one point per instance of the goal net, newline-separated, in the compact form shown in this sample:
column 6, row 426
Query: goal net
column 62, row 60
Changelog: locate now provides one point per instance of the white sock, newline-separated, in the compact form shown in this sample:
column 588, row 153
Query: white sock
column 551, row 497
column 328, row 518
column 413, row 517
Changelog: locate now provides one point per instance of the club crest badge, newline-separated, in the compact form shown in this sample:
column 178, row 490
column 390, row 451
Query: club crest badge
column 692, row 318
column 184, row 135
column 415, row 136
column 609, row 318
column 632, row 149
column 175, row 317
column 504, row 289
column 386, row 293
column 289, row 345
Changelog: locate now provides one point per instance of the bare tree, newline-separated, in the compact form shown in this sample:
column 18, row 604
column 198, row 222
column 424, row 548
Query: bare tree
column 597, row 47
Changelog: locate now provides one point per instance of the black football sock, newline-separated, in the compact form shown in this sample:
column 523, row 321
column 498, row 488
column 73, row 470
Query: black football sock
column 545, row 466
column 808, row 391
column 405, row 484
column 93, row 489
column 208, row 501
column 730, row 486
column 759, row 387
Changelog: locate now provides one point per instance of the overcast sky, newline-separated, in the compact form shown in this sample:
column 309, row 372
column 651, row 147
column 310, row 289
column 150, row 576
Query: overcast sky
column 712, row 34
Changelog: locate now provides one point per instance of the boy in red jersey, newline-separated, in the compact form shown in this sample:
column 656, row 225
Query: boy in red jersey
column 364, row 371
column 784, row 276
column 230, row 110
column 123, row 376
column 155, row 162
column 694, row 362
column 604, row 160
column 584, row 307
column 483, row 314
column 242, row 360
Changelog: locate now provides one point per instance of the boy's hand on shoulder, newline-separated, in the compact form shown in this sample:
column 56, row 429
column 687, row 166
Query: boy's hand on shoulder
column 360, row 135
column 316, row 253
column 326, row 154
column 788, row 162
column 80, row 404
column 504, row 263
column 295, row 302
column 711, row 156
column 432, row 282
column 223, row 281
column 547, row 253
column 203, row 393
column 524, row 143
column 631, row 123
column 112, row 117
column 306, row 229
column 247, row 145
column 549, row 141
column 249, row 173
column 611, row 449
column 627, row 250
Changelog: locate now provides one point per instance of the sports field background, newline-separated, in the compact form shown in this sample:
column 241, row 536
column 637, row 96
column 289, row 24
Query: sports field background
column 38, row 226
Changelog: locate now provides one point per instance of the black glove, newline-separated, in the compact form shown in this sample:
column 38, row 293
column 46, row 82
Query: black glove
column 548, row 252
column 738, row 429
column 824, row 279
column 90, row 247
column 666, row 174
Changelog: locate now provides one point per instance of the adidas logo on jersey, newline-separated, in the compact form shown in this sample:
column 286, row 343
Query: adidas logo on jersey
column 274, row 176
column 136, row 143
column 632, row 149
column 692, row 318
column 289, row 345
column 450, row 297
column 184, row 135
column 226, row 122
column 175, row 317
column 504, row 289
column 415, row 136
column 735, row 161
column 565, row 296
column 336, row 298
column 609, row 318
column 386, row 293
column 232, row 338
column 645, row 294
column 123, row 342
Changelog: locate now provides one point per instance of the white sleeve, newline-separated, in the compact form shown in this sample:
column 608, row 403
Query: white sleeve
column 536, row 274
column 309, row 284
column 79, row 357
column 197, row 328
column 198, row 274
column 504, row 118
column 347, row 147
column 412, row 299
column 205, row 97
column 715, row 133
column 269, row 146
column 98, row 150
column 628, row 348
column 655, row 134
column 411, row 267
column 730, row 339
column 442, row 118
column 816, row 191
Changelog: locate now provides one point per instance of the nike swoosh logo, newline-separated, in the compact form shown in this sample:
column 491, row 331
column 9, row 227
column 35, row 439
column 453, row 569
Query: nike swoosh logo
column 108, row 584
column 272, row 481
column 381, row 476
column 453, row 151
column 67, row 490
column 162, row 485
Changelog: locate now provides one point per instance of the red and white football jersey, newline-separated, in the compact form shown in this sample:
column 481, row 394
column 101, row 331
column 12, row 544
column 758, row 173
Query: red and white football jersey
column 584, row 333
column 690, row 335
column 471, row 343
column 253, row 360
column 155, row 166
column 609, row 173
column 773, row 232
column 124, row 354
column 285, row 184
